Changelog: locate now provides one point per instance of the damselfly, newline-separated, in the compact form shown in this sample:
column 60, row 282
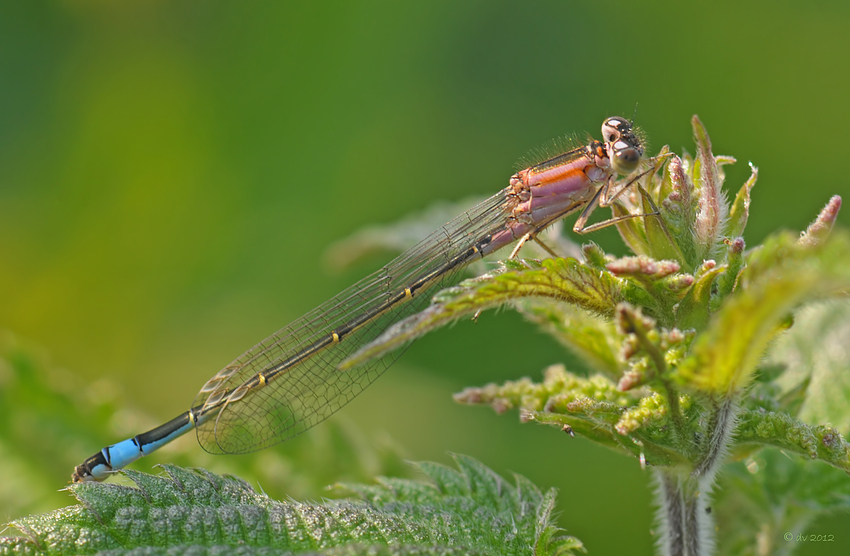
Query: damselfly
column 291, row 381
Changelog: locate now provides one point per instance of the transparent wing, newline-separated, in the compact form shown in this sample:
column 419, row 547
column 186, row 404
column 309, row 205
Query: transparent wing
column 289, row 382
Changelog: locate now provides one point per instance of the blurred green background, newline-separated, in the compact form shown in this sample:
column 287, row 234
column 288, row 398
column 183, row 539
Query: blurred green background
column 171, row 173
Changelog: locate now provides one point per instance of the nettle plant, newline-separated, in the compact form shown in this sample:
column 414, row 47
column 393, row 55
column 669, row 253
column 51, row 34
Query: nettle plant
column 678, row 336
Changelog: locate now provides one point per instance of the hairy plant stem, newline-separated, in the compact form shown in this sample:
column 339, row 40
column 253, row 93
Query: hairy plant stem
column 683, row 495
column 721, row 425
column 685, row 521
column 675, row 409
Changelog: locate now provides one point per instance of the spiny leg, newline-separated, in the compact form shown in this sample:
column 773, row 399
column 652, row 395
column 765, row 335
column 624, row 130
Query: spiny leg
column 606, row 201
column 520, row 243
column 545, row 247
column 602, row 199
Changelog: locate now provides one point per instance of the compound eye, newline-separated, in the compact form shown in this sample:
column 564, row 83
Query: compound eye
column 626, row 157
column 613, row 129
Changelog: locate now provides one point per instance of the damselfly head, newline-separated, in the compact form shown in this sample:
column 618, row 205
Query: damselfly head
column 625, row 145
column 613, row 128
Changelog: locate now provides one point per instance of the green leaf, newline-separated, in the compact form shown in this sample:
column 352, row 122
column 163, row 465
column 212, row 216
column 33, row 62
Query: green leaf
column 816, row 355
column 771, row 494
column 679, row 207
column 468, row 511
column 727, row 281
column 631, row 230
column 661, row 242
column 560, row 279
column 766, row 428
column 780, row 276
column 713, row 207
column 740, row 211
column 591, row 338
